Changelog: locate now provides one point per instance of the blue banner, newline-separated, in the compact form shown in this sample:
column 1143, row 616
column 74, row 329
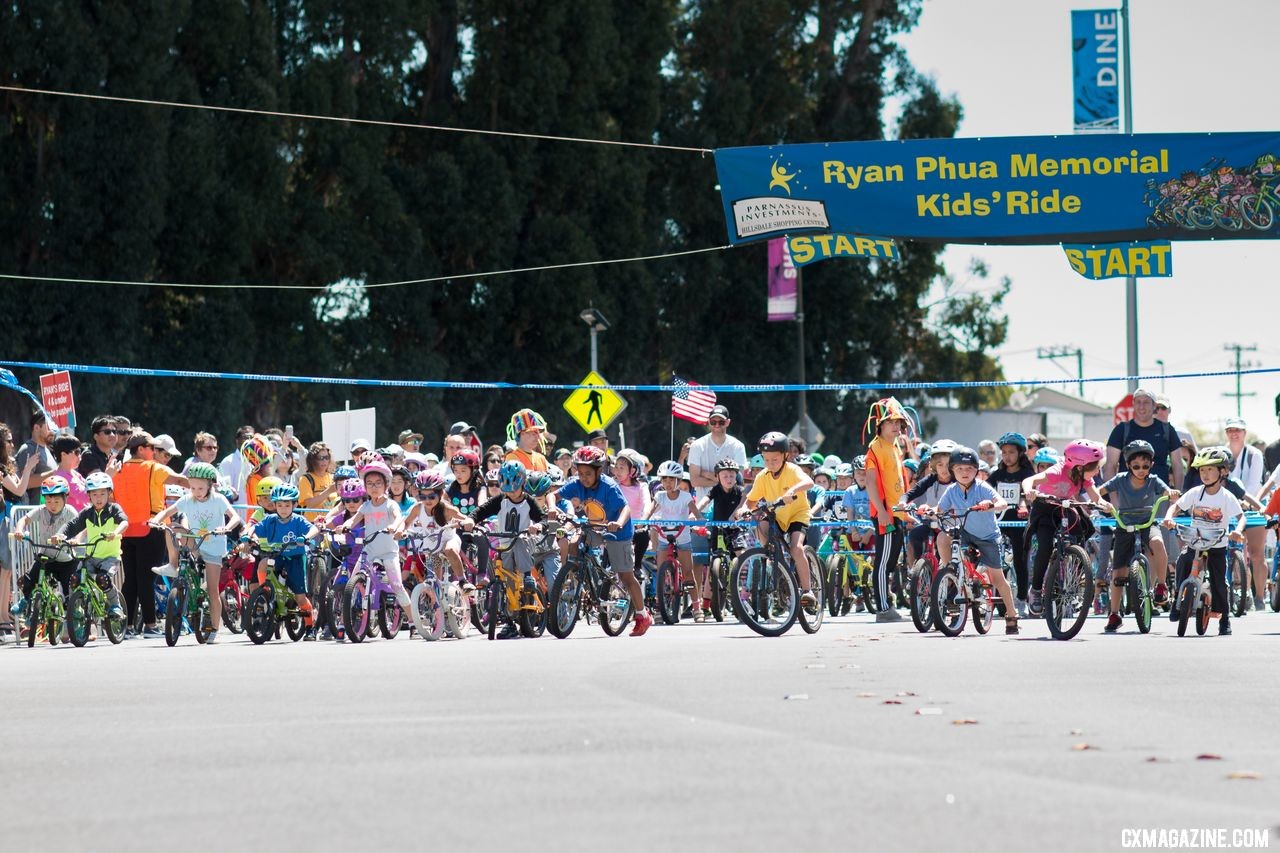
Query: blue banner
column 1010, row 190
column 810, row 248
column 1095, row 70
column 1153, row 259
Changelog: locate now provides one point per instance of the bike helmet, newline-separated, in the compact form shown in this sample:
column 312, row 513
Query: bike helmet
column 757, row 461
column 429, row 481
column 376, row 467
column 589, row 454
column 227, row 492
column 1138, row 447
column 54, row 486
column 557, row 477
column 403, row 473
column 465, row 457
column 97, row 480
column 911, row 465
column 633, row 459
column 832, row 461
column 1215, row 456
column 859, row 464
column 774, row 442
column 924, row 453
column 824, row 471
column 202, row 471
column 671, row 468
column 943, row 445
column 284, row 492
column 491, row 477
column 727, row 464
column 1082, row 452
column 257, row 452
column 512, row 476
column 845, row 470
column 1046, row 456
column 345, row 472
column 352, row 490
column 963, row 456
column 804, row 460
column 1017, row 439
column 538, row 484
column 265, row 486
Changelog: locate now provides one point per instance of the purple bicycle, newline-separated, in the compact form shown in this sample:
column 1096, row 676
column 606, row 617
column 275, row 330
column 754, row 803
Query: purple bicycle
column 369, row 593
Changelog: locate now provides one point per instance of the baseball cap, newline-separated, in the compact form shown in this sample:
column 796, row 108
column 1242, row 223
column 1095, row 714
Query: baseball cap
column 361, row 444
column 409, row 435
column 1143, row 392
column 719, row 411
column 597, row 433
column 461, row 428
column 1236, row 423
column 562, row 452
column 165, row 442
column 432, row 459
column 1162, row 400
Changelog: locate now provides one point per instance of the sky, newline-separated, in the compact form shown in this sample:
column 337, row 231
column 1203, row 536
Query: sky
column 1009, row 63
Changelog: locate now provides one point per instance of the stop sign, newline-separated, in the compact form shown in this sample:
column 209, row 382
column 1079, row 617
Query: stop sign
column 1123, row 410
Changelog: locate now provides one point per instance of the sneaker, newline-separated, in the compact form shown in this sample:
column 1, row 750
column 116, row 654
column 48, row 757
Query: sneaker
column 1258, row 605
column 1113, row 623
column 18, row 607
column 166, row 570
column 509, row 632
column 808, row 600
column 310, row 636
column 1034, row 606
column 213, row 638
column 529, row 583
column 1020, row 606
column 643, row 622
column 152, row 632
column 1224, row 626
column 889, row 615
column 130, row 634
column 1160, row 594
column 115, row 610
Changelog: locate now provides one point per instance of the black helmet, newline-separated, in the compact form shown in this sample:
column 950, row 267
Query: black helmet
column 728, row 464
column 773, row 441
column 964, row 456
column 1138, row 447
column 804, row 460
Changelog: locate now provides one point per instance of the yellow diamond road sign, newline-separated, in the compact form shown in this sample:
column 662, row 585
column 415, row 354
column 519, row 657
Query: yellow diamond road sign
column 594, row 408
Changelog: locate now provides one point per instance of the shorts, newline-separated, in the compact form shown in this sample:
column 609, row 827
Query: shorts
column 295, row 576
column 797, row 527
column 102, row 565
column 988, row 550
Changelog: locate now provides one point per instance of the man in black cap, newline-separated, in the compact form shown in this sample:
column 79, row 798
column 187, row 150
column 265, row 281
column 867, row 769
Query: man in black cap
column 717, row 444
column 598, row 438
column 465, row 429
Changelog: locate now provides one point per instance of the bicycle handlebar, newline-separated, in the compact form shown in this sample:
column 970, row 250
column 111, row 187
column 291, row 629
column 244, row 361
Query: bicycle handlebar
column 1150, row 522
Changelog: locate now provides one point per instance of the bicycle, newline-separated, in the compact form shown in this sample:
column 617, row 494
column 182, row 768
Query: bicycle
column 673, row 586
column 719, row 559
column 437, row 604
column 188, row 601
column 953, row 598
column 920, row 583
column 1239, row 580
column 848, row 580
column 46, row 609
column 1137, row 594
column 585, row 586
column 87, row 604
column 1194, row 597
column 510, row 600
column 764, row 586
column 1067, row 590
column 368, row 592
column 272, row 606
column 233, row 589
column 1273, row 582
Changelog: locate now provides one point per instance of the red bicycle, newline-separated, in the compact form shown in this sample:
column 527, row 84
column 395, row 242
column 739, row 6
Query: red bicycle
column 672, row 584
column 920, row 579
column 960, row 587
column 233, row 589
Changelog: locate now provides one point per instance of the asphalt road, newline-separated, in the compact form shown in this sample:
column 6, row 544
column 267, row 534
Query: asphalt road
column 698, row 737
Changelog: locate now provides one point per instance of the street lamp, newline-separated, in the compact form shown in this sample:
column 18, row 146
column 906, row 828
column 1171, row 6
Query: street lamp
column 1160, row 361
column 596, row 323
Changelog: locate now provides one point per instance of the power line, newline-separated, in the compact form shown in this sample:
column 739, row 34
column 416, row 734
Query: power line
column 316, row 117
column 1054, row 353
column 373, row 286
column 1239, row 369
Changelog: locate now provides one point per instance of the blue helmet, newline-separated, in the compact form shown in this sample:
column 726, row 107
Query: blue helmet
column 284, row 492
column 538, row 483
column 54, row 486
column 345, row 472
column 912, row 465
column 1046, row 456
column 512, row 476
column 1017, row 439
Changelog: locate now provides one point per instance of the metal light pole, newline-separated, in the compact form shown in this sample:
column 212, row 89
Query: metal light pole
column 1130, row 283
column 596, row 323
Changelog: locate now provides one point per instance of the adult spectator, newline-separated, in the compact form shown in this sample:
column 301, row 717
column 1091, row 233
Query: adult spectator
column 598, row 438
column 124, row 429
column 232, row 466
column 166, row 450
column 717, row 444
column 1271, row 456
column 469, row 432
column 410, row 441
column 1160, row 435
column 359, row 447
column 1247, row 467
column 1035, row 442
column 1163, row 408
column 316, row 488
column 564, row 461
column 206, row 450
column 988, row 452
column 12, row 491
column 37, row 445
column 101, row 455
column 139, row 489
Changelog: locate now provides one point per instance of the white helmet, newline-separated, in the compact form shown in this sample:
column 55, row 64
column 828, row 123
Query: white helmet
column 671, row 468
column 943, row 445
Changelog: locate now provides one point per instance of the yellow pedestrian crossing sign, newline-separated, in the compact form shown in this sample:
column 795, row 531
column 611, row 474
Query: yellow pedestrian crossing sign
column 594, row 408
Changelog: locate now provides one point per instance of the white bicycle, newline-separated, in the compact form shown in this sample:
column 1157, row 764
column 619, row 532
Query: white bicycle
column 439, row 606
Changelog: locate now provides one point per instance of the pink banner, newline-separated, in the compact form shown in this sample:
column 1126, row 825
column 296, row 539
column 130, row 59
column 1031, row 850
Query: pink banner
column 782, row 282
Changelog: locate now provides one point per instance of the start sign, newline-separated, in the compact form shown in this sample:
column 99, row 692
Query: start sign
column 1123, row 410
column 55, row 393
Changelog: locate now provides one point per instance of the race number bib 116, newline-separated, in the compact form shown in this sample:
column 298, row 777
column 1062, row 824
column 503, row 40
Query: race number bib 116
column 1011, row 493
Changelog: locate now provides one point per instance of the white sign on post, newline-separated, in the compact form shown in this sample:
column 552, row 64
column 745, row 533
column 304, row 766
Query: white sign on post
column 339, row 429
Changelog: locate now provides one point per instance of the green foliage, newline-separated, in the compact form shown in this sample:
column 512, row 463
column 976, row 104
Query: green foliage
column 92, row 189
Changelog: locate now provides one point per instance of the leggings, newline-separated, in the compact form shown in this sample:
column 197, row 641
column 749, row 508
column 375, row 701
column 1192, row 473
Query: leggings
column 139, row 554
column 1017, row 546
column 1217, row 565
column 888, row 552
column 1041, row 524
column 640, row 542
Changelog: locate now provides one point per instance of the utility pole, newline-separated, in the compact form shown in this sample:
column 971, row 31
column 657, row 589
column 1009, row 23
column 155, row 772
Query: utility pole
column 1054, row 353
column 1130, row 283
column 1237, row 349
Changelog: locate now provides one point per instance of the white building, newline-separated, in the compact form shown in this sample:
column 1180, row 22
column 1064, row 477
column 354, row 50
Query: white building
column 1061, row 417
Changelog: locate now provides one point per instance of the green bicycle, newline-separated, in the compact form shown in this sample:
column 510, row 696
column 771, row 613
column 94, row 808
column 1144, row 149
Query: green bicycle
column 1137, row 592
column 272, row 606
column 93, row 601
column 849, row 579
column 188, row 601
column 45, row 609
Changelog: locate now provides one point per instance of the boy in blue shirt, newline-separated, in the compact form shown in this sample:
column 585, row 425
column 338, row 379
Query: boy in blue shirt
column 980, row 529
column 285, row 534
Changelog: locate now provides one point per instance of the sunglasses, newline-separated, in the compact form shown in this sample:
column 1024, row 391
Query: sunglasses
column 430, row 496
column 110, row 432
column 413, row 442
column 322, row 458
column 352, row 500
column 717, row 422
column 1138, row 466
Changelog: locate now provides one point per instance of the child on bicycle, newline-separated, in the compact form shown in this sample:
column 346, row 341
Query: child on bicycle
column 45, row 526
column 724, row 498
column 855, row 505
column 928, row 491
column 783, row 481
column 669, row 504
column 204, row 511
column 1065, row 480
column 518, row 513
column 379, row 513
column 285, row 530
column 982, row 503
column 1211, row 507
column 541, row 487
column 1134, row 496
column 101, row 522
column 628, row 468
column 434, row 521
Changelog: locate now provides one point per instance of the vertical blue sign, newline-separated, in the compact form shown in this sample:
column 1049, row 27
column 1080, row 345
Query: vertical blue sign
column 1095, row 65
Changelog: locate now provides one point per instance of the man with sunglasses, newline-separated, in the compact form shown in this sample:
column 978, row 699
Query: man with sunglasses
column 1144, row 426
column 717, row 444
column 1133, row 493
column 102, row 451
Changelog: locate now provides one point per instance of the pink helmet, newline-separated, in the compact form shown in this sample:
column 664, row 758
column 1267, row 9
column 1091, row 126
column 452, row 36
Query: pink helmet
column 1082, row 452
column 351, row 490
column 430, row 481
column 378, row 467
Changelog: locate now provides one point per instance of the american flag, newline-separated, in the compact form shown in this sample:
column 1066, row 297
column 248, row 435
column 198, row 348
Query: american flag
column 691, row 401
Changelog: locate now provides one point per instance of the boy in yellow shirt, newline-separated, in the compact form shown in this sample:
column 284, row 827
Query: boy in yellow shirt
column 784, row 481
column 886, row 485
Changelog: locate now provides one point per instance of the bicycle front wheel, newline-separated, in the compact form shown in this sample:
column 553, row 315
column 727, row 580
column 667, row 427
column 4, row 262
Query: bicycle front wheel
column 232, row 610
column 1140, row 596
column 173, row 609
column 566, row 602
column 716, row 581
column 1068, row 593
column 355, row 607
column 428, row 615
column 79, row 621
column 1239, row 585
column 946, row 602
column 763, row 593
column 390, row 616
column 616, row 608
column 920, row 587
column 669, row 593
column 259, row 615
